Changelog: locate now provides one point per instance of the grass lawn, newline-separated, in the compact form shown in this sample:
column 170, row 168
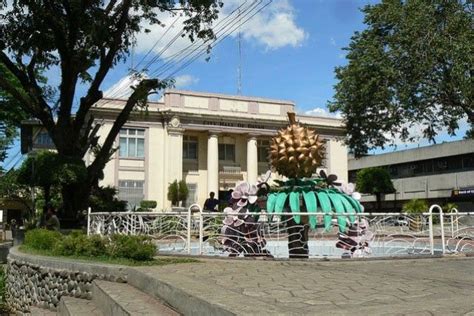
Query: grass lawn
column 157, row 261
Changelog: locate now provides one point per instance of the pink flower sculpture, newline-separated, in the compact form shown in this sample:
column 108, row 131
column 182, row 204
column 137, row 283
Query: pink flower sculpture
column 245, row 193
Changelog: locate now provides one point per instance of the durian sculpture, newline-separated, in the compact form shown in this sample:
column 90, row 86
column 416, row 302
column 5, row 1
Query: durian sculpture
column 296, row 153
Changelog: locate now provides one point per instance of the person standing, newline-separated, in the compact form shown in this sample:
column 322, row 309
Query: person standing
column 52, row 220
column 211, row 203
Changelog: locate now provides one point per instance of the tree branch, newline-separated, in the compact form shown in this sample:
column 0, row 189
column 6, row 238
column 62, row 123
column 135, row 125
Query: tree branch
column 37, row 104
column 93, row 94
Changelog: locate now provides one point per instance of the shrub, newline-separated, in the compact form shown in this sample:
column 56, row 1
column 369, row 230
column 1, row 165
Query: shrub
column 42, row 239
column 139, row 248
column 79, row 244
column 173, row 193
column 147, row 204
column 415, row 206
column 449, row 207
column 183, row 192
column 104, row 199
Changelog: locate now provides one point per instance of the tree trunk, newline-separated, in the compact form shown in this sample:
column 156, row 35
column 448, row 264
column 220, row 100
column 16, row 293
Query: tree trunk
column 297, row 240
column 378, row 196
column 75, row 199
column 47, row 194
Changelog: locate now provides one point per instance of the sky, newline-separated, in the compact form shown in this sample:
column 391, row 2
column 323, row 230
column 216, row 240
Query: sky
column 289, row 51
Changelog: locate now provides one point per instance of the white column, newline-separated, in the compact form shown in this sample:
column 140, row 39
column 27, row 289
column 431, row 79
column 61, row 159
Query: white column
column 252, row 160
column 175, row 154
column 213, row 164
column 336, row 159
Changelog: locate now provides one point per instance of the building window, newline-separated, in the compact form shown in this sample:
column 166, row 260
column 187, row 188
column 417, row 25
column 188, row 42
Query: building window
column 190, row 147
column 132, row 192
column 132, row 143
column 192, row 194
column 262, row 150
column 227, row 152
column 468, row 161
column 43, row 139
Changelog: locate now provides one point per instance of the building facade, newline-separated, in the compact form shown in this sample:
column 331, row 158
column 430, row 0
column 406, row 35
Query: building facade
column 439, row 173
column 211, row 141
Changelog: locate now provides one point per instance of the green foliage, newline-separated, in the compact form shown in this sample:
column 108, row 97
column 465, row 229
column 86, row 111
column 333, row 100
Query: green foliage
column 11, row 115
column 50, row 171
column 77, row 244
column 4, row 309
column 147, row 205
column 449, row 207
column 104, row 199
column 11, row 188
column 173, row 193
column 415, row 206
column 80, row 42
column 374, row 181
column 139, row 248
column 47, row 168
column 183, row 191
column 411, row 65
column 42, row 239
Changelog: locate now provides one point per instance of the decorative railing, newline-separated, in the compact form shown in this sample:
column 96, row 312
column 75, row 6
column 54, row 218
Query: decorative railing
column 372, row 235
column 230, row 170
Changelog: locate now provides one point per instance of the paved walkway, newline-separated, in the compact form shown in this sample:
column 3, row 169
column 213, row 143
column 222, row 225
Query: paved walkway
column 389, row 287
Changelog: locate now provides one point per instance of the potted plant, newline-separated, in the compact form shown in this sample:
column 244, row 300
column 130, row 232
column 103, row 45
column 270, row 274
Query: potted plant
column 173, row 193
column 415, row 207
column 183, row 192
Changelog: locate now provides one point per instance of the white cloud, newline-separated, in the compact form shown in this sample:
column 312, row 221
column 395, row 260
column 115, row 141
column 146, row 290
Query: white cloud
column 274, row 27
column 322, row 112
column 184, row 81
column 415, row 130
column 122, row 88
column 332, row 41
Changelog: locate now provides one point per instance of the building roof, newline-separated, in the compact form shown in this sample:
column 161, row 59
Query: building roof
column 446, row 149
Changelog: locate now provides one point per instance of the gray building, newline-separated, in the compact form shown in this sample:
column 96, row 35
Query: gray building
column 439, row 174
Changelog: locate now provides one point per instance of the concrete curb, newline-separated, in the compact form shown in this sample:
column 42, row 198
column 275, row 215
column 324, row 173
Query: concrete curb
column 183, row 302
column 99, row 269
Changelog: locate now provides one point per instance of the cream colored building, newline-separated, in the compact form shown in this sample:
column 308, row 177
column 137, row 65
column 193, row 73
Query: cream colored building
column 212, row 141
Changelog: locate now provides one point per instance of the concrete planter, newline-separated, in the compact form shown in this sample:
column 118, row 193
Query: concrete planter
column 42, row 281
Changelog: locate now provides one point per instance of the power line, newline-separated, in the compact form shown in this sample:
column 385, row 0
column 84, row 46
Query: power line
column 178, row 57
column 157, row 42
column 216, row 43
column 225, row 30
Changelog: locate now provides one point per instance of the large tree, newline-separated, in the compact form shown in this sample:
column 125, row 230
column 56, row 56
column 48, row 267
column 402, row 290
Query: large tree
column 84, row 40
column 412, row 65
column 11, row 115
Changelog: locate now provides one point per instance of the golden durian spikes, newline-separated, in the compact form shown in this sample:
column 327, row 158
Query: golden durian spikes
column 296, row 151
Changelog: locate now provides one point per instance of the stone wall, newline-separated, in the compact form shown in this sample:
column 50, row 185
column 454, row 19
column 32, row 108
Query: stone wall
column 41, row 281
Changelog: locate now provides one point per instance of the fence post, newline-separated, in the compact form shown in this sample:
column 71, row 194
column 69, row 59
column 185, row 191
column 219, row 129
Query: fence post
column 441, row 221
column 451, row 211
column 188, row 237
column 430, row 222
column 88, row 221
column 201, row 230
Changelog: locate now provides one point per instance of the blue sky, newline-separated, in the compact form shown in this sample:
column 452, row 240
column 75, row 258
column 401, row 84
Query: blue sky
column 289, row 51
column 292, row 56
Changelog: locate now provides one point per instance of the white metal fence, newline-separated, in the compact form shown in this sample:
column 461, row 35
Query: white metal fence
column 372, row 235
